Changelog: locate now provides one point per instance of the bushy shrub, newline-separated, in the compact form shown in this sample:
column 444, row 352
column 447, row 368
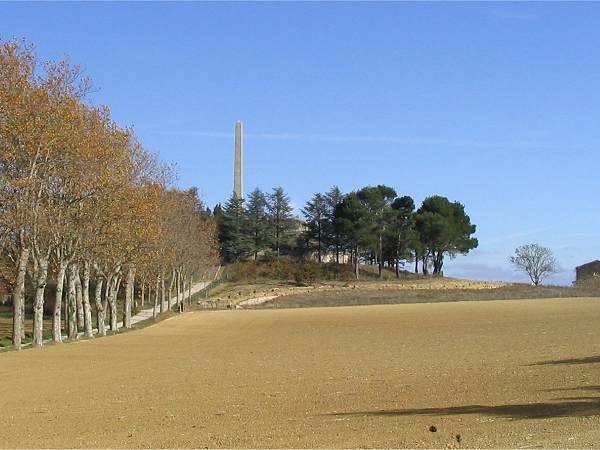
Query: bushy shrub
column 283, row 270
column 339, row 272
column 308, row 272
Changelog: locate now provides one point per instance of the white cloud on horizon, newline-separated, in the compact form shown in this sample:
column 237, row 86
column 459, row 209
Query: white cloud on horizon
column 357, row 139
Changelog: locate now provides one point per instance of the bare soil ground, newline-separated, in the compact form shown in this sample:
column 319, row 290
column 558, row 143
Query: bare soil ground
column 237, row 292
column 409, row 289
column 442, row 290
column 484, row 374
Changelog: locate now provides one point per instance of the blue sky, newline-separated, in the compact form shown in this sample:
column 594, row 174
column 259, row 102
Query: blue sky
column 492, row 104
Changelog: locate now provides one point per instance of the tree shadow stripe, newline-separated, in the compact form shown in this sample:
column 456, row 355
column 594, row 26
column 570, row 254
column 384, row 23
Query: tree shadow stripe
column 584, row 360
column 586, row 406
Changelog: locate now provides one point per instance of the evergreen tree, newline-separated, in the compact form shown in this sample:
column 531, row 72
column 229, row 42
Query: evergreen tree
column 257, row 222
column 316, row 213
column 333, row 197
column 281, row 223
column 377, row 201
column 233, row 230
column 444, row 229
column 402, row 229
column 350, row 223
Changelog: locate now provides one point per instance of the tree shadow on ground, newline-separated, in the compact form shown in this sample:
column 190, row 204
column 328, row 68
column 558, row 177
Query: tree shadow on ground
column 580, row 388
column 584, row 360
column 571, row 407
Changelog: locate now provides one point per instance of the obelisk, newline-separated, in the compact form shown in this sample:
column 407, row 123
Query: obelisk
column 238, row 167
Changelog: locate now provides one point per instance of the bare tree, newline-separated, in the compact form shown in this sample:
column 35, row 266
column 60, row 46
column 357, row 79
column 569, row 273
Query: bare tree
column 536, row 261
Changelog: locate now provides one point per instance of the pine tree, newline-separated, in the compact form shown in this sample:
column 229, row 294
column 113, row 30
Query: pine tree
column 350, row 223
column 377, row 200
column 402, row 230
column 257, row 222
column 281, row 223
column 232, row 230
column 316, row 215
column 332, row 237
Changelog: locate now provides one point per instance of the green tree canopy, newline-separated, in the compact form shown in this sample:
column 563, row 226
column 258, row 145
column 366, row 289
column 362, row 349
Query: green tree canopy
column 257, row 222
column 233, row 230
column 281, row 221
column 316, row 214
column 402, row 232
column 351, row 223
column 444, row 229
column 377, row 202
column 333, row 197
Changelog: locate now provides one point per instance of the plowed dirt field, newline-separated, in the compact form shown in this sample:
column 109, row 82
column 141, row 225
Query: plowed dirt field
column 467, row 374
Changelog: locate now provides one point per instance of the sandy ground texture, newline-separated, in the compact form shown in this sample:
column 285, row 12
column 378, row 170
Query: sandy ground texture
column 484, row 374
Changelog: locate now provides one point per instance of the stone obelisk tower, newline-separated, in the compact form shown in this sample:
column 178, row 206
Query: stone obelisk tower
column 238, row 168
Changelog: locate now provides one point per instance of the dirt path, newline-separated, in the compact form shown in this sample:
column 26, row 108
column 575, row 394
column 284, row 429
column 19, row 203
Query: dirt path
column 146, row 314
column 499, row 374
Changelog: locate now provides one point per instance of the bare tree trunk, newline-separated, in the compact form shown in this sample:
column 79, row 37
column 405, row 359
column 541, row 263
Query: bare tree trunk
column 23, row 300
column 65, row 301
column 319, row 239
column 79, row 297
column 425, row 262
column 114, row 290
column 87, row 309
column 72, row 302
column 105, row 300
column 134, row 298
column 23, row 314
column 171, row 288
column 56, row 317
column 380, row 256
column 356, row 262
column 184, row 298
column 438, row 262
column 179, row 289
column 156, row 293
column 118, row 286
column 142, row 292
column 18, row 298
column 128, row 297
column 190, row 290
column 163, row 294
column 159, row 284
column 38, row 305
column 100, row 308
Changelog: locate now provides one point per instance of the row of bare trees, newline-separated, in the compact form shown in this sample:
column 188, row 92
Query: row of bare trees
column 83, row 205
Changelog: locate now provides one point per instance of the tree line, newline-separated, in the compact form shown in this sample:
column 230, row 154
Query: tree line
column 85, row 206
column 372, row 224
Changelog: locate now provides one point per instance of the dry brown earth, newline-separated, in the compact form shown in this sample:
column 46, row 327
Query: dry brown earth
column 238, row 292
column 498, row 373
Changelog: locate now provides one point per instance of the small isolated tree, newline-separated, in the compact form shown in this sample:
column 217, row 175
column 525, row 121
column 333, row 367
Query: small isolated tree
column 536, row 261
